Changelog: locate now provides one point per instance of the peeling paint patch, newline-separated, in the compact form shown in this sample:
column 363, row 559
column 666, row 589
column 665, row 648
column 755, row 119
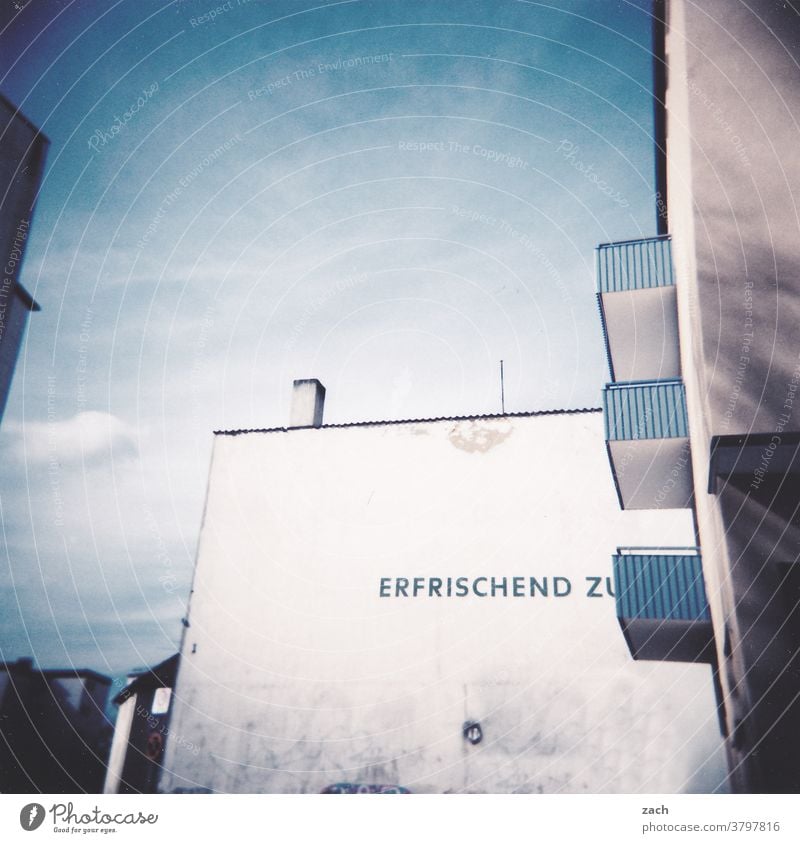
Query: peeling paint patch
column 478, row 436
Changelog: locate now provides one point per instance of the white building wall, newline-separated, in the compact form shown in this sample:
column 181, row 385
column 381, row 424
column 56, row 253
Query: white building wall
column 296, row 674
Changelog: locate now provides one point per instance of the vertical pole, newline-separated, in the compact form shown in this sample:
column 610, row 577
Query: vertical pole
column 502, row 390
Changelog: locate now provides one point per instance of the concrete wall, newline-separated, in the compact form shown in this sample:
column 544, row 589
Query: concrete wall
column 734, row 180
column 295, row 673
column 734, row 151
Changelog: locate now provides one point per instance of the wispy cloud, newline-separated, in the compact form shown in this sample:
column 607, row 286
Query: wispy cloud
column 87, row 438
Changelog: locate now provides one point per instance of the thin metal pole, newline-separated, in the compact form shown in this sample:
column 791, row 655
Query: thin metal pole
column 502, row 390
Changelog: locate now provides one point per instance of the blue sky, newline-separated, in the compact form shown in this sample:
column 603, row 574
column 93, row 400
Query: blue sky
column 389, row 196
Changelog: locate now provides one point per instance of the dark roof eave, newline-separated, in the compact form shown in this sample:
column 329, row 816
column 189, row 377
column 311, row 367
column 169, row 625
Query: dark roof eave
column 21, row 116
column 160, row 676
column 27, row 299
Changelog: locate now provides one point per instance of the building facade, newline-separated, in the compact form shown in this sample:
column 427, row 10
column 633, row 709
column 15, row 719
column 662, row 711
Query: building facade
column 22, row 154
column 141, row 730
column 428, row 605
column 54, row 735
column 703, row 336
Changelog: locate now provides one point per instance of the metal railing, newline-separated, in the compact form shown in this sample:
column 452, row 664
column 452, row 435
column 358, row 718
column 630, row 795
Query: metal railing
column 660, row 586
column 645, row 410
column 634, row 265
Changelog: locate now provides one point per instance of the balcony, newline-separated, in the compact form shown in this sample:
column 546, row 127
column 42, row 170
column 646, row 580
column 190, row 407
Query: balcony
column 648, row 444
column 755, row 477
column 638, row 308
column 662, row 605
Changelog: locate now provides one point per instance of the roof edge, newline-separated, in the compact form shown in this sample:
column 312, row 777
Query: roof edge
column 20, row 115
column 161, row 675
column 27, row 299
column 381, row 423
column 27, row 667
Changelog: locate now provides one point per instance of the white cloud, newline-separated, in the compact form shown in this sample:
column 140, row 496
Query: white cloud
column 88, row 437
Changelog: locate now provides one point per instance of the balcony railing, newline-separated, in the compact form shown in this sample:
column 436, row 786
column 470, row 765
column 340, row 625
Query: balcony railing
column 634, row 265
column 662, row 605
column 660, row 587
column 645, row 410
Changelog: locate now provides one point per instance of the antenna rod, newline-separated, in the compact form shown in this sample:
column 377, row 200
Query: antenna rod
column 502, row 390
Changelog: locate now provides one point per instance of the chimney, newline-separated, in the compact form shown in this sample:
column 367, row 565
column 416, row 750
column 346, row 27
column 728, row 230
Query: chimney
column 308, row 399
